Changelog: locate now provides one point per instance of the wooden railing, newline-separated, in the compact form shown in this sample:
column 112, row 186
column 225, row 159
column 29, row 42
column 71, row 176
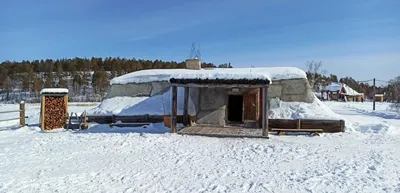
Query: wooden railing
column 21, row 117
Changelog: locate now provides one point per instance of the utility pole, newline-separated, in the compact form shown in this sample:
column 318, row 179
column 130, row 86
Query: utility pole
column 374, row 99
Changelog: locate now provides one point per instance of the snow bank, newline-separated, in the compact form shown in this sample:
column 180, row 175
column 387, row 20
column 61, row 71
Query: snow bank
column 161, row 105
column 54, row 91
column 156, row 105
column 379, row 128
column 300, row 110
column 271, row 73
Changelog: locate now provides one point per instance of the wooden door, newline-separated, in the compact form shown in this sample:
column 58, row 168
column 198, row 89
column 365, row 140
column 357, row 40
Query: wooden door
column 250, row 106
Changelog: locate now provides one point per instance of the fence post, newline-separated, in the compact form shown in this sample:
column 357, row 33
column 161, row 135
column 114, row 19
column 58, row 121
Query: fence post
column 22, row 114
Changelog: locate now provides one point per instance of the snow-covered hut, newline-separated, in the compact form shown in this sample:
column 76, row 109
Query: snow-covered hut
column 341, row 91
column 214, row 96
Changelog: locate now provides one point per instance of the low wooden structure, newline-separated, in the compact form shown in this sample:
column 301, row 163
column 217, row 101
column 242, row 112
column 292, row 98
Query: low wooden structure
column 281, row 126
column 229, row 131
column 21, row 112
column 275, row 125
column 380, row 97
column 255, row 101
column 54, row 108
column 76, row 121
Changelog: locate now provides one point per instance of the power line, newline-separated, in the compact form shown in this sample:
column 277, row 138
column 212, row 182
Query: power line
column 366, row 80
column 383, row 81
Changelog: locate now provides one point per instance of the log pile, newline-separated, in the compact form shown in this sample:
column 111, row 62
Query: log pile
column 55, row 112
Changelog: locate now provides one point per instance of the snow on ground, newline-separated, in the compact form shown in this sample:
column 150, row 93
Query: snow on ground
column 266, row 73
column 152, row 160
column 363, row 119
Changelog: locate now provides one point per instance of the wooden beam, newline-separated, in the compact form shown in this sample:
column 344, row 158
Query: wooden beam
column 174, row 105
column 43, row 101
column 66, row 107
column 186, row 107
column 265, row 112
column 260, row 107
column 219, row 85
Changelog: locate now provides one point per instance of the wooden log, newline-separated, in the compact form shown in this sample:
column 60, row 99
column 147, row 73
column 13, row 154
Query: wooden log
column 107, row 119
column 298, row 130
column 282, row 123
column 128, row 124
column 53, row 112
column 174, row 106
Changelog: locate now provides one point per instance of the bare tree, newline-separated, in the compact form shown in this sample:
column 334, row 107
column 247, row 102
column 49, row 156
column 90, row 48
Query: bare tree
column 195, row 52
column 8, row 85
column 315, row 73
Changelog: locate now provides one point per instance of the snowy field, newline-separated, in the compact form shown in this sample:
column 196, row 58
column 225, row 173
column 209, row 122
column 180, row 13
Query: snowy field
column 366, row 158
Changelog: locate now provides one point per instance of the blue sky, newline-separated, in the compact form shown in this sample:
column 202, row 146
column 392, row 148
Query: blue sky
column 358, row 38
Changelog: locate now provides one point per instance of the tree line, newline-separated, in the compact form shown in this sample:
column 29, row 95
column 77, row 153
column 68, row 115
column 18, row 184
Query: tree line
column 83, row 76
column 89, row 77
column 318, row 78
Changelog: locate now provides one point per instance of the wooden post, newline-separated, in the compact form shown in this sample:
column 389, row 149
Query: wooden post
column 265, row 112
column 174, row 106
column 342, row 125
column 322, row 95
column 43, row 101
column 374, row 97
column 66, row 108
column 260, row 108
column 22, row 114
column 337, row 94
column 298, row 124
column 185, row 107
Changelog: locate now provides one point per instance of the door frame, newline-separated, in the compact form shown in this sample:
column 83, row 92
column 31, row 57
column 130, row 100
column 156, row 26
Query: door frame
column 227, row 121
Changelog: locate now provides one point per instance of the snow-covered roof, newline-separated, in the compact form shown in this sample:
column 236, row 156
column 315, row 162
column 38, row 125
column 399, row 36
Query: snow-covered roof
column 334, row 87
column 54, row 91
column 264, row 73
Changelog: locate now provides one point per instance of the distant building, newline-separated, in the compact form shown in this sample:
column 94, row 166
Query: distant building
column 340, row 91
column 380, row 97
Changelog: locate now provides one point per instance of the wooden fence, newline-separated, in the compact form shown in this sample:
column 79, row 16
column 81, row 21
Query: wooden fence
column 21, row 117
column 328, row 126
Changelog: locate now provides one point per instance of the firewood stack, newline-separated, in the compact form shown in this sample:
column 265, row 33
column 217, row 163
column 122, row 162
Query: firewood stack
column 55, row 112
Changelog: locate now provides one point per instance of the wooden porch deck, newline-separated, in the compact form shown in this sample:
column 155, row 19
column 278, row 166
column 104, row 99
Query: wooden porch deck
column 220, row 131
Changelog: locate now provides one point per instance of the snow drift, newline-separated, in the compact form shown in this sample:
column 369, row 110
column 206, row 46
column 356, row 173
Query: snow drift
column 155, row 105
